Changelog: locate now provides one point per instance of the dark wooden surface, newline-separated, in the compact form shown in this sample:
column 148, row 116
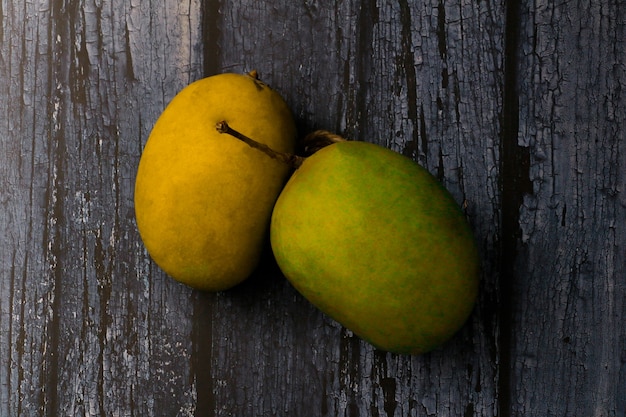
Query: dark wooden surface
column 517, row 107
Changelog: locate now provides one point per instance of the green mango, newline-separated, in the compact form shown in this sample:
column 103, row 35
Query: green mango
column 379, row 245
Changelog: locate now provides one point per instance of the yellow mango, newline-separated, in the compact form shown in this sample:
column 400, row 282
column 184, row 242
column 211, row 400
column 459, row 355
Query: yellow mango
column 203, row 200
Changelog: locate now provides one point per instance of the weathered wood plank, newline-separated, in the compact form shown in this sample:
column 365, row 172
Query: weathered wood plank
column 569, row 337
column 25, row 163
column 88, row 325
column 425, row 79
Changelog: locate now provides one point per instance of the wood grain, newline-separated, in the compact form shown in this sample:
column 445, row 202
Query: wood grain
column 517, row 107
column 89, row 325
column 569, row 338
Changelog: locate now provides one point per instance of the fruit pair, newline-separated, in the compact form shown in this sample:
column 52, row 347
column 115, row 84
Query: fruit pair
column 365, row 234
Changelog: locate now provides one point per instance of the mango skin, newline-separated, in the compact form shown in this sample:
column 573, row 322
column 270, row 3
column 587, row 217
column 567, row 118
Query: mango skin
column 375, row 242
column 203, row 200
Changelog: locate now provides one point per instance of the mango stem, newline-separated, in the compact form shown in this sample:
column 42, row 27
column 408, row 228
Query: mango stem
column 319, row 139
column 294, row 161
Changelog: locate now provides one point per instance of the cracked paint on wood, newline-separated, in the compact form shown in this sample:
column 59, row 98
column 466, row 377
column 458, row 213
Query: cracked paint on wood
column 516, row 107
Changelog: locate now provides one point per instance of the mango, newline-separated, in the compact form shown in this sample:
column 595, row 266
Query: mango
column 379, row 245
column 203, row 200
